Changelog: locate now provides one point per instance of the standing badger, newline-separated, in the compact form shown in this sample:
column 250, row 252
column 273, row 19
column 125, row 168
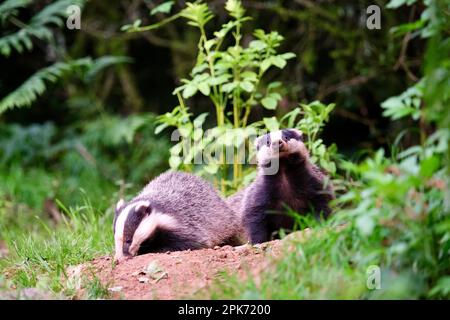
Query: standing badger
column 286, row 179
column 175, row 211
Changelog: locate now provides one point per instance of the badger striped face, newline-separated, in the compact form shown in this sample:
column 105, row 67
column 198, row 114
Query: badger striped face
column 135, row 223
column 277, row 144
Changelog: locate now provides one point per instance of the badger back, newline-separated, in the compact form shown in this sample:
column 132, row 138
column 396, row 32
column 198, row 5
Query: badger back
column 195, row 205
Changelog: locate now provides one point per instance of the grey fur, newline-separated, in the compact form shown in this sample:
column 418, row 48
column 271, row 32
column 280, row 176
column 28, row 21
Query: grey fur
column 203, row 218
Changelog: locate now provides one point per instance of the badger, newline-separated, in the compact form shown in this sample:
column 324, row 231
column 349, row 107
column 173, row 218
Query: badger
column 286, row 179
column 175, row 211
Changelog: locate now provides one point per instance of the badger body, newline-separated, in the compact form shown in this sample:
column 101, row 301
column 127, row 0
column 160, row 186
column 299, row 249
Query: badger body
column 295, row 184
column 175, row 211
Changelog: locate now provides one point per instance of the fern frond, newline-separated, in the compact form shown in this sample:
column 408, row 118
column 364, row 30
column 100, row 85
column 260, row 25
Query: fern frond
column 37, row 83
column 10, row 8
column 38, row 27
column 102, row 63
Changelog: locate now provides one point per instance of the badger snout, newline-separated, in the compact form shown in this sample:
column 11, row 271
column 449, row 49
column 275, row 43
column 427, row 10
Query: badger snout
column 119, row 258
column 278, row 145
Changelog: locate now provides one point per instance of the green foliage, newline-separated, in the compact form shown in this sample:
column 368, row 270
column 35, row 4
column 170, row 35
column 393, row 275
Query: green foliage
column 38, row 27
column 10, row 8
column 29, row 145
column 96, row 289
column 39, row 257
column 396, row 216
column 41, row 27
column 164, row 7
column 402, row 206
column 36, row 85
column 406, row 104
column 432, row 21
column 231, row 77
column 126, row 148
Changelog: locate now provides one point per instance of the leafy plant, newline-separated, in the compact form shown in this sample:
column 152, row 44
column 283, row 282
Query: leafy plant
column 406, row 104
column 231, row 76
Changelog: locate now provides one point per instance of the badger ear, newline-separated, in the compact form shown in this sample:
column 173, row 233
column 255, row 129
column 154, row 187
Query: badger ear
column 299, row 132
column 143, row 206
column 119, row 204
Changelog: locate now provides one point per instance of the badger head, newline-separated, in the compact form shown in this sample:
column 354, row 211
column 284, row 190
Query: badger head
column 134, row 223
column 279, row 144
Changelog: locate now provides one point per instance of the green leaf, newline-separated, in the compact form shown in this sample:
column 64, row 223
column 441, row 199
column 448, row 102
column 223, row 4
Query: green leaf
column 189, row 90
column 210, row 43
column 228, row 87
column 429, row 166
column 247, row 86
column 200, row 119
column 174, row 162
column 271, row 124
column 265, row 64
column 249, row 76
column 274, row 85
column 365, row 224
column 211, row 168
column 219, row 80
column 161, row 127
column 234, row 7
column 164, row 7
column 204, row 88
column 288, row 55
column 199, row 68
column 394, row 4
column 270, row 102
column 279, row 61
column 258, row 45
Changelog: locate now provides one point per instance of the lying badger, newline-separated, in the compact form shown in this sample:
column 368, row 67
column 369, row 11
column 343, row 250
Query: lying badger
column 296, row 184
column 175, row 211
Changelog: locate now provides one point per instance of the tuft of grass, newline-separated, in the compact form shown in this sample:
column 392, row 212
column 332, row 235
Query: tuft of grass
column 95, row 289
column 39, row 256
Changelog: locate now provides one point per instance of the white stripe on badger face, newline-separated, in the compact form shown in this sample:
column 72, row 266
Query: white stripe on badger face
column 276, row 136
column 120, row 226
column 266, row 153
column 148, row 226
column 118, row 232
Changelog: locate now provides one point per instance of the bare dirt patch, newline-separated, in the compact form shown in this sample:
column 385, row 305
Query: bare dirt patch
column 180, row 274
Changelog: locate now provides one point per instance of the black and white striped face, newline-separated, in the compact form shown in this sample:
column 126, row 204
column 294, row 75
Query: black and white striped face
column 134, row 223
column 278, row 144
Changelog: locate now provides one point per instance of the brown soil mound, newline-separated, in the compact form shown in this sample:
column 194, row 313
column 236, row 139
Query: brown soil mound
column 180, row 274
